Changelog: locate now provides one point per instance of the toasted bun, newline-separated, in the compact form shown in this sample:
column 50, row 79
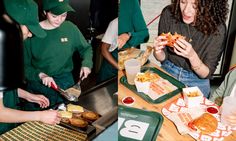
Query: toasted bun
column 78, row 122
column 90, row 116
column 65, row 120
column 171, row 39
column 65, row 114
column 74, row 108
column 205, row 124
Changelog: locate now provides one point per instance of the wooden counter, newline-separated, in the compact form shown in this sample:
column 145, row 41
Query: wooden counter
column 168, row 131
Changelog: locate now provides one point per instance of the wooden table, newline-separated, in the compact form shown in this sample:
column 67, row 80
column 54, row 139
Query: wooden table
column 168, row 131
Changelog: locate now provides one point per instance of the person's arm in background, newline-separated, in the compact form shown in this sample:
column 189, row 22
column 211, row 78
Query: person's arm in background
column 35, row 98
column 8, row 115
column 225, row 88
column 138, row 33
column 218, row 95
column 85, row 51
column 109, row 40
column 107, row 55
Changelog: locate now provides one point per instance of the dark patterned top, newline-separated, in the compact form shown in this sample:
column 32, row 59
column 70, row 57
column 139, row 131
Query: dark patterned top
column 208, row 47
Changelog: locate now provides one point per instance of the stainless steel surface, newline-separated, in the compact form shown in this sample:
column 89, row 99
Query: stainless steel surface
column 100, row 99
column 106, row 120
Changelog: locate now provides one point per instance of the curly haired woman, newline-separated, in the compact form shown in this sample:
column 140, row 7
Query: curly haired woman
column 194, row 59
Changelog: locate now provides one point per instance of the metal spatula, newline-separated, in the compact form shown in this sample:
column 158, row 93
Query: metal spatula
column 75, row 90
column 67, row 95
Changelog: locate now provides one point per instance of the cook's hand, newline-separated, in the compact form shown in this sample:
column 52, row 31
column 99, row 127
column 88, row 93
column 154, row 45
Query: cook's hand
column 159, row 43
column 84, row 72
column 184, row 48
column 46, row 80
column 39, row 99
column 49, row 117
column 122, row 39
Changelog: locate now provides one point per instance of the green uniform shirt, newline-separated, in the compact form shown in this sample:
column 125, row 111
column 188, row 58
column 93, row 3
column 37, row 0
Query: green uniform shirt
column 53, row 54
column 131, row 20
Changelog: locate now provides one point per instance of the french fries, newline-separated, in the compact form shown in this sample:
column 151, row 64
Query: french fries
column 147, row 77
column 193, row 94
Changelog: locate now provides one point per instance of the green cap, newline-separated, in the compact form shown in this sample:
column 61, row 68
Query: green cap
column 25, row 12
column 57, row 7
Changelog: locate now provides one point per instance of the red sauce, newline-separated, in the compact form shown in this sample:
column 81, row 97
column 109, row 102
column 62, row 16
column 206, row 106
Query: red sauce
column 190, row 125
column 128, row 100
column 212, row 110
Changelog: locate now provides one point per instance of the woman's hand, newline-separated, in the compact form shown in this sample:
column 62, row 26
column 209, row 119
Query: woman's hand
column 159, row 44
column 39, row 99
column 49, row 117
column 184, row 48
column 122, row 39
column 47, row 80
column 84, row 72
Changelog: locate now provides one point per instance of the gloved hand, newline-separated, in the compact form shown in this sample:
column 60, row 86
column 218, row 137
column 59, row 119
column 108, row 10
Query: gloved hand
column 47, row 80
column 84, row 72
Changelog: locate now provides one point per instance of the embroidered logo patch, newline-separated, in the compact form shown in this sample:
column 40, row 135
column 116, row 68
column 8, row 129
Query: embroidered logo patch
column 64, row 40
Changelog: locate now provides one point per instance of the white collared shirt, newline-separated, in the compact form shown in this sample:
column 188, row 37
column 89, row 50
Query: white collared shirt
column 111, row 35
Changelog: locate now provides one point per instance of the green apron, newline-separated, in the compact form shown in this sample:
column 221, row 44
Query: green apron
column 107, row 70
column 10, row 100
column 64, row 81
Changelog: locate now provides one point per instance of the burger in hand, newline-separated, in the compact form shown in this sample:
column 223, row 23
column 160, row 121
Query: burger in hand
column 171, row 38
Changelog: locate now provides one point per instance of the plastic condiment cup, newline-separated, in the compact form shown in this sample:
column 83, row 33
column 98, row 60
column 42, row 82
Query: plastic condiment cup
column 132, row 67
column 212, row 110
column 228, row 108
column 128, row 101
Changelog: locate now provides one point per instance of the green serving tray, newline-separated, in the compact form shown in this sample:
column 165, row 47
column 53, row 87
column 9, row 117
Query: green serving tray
column 136, row 124
column 163, row 98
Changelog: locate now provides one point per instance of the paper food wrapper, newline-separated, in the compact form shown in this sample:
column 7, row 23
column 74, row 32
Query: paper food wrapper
column 133, row 53
column 180, row 114
column 154, row 89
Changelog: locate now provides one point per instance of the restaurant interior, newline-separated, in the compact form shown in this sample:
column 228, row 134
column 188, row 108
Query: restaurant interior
column 123, row 111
